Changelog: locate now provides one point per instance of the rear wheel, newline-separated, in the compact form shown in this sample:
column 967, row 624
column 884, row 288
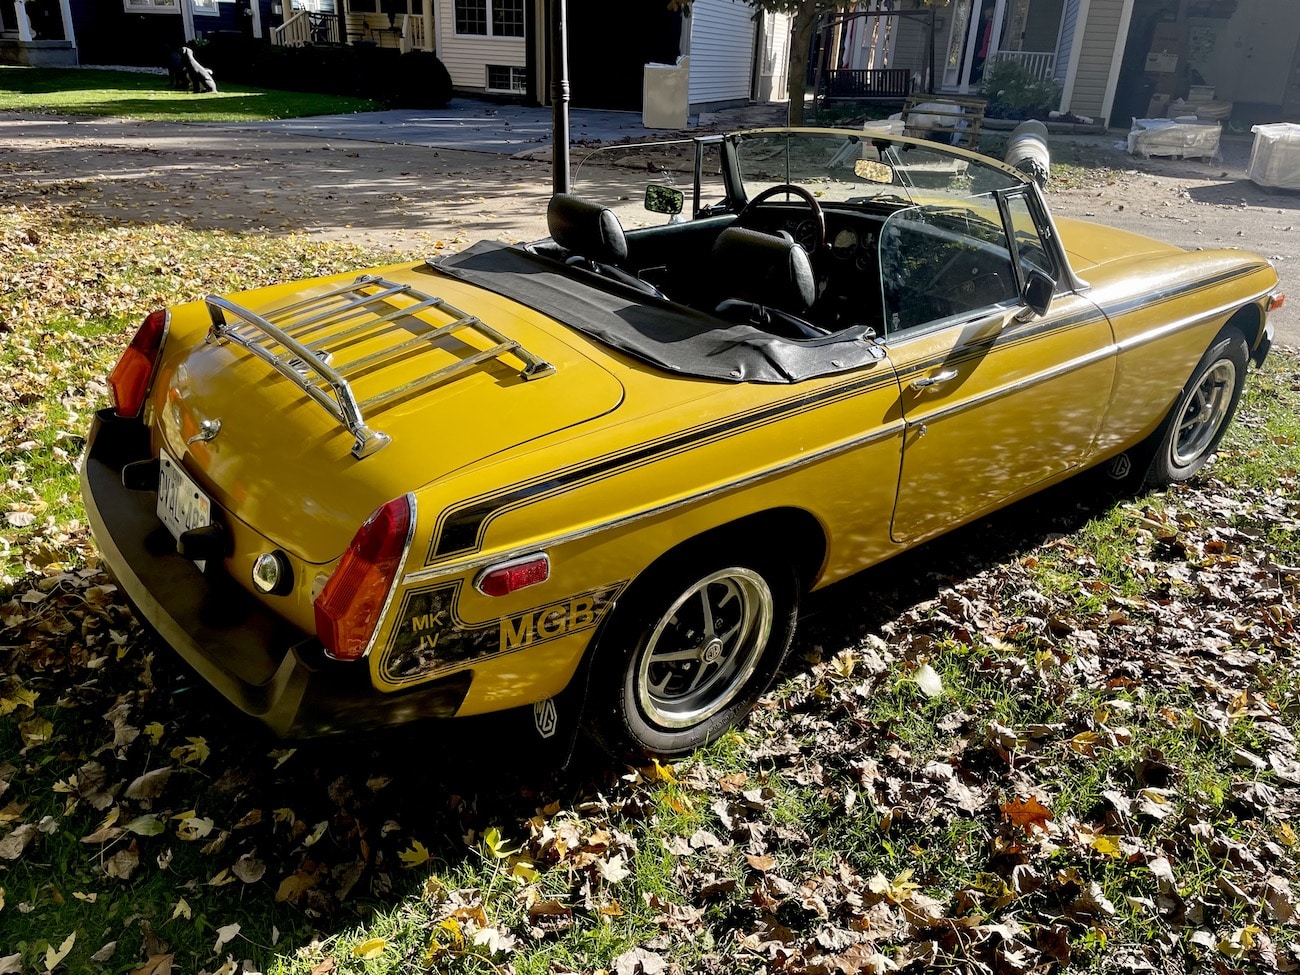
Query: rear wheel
column 690, row 651
column 1200, row 417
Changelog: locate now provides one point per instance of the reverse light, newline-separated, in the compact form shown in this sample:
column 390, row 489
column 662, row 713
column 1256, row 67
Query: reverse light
column 508, row 577
column 129, row 380
column 349, row 607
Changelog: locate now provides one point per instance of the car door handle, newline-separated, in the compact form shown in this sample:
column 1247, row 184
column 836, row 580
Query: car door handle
column 936, row 380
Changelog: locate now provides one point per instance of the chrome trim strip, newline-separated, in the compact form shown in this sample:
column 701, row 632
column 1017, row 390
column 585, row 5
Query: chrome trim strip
column 1081, row 362
column 1114, row 349
column 470, row 565
column 1188, row 322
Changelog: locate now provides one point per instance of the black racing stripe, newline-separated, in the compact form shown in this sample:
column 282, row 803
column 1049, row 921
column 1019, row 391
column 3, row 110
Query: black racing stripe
column 1082, row 317
column 1170, row 293
column 1017, row 336
column 460, row 527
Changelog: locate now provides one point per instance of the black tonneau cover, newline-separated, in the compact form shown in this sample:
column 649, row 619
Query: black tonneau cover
column 655, row 330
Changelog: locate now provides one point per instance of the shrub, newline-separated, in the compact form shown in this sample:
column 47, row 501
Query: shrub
column 417, row 79
column 1014, row 93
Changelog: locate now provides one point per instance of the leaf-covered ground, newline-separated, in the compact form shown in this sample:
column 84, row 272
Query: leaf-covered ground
column 1061, row 740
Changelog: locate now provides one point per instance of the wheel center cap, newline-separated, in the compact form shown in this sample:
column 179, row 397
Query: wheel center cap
column 712, row 651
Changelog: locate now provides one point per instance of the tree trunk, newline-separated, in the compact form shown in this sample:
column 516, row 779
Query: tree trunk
column 801, row 34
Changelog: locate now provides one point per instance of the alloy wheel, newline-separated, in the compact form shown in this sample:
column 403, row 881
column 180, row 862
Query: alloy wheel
column 704, row 648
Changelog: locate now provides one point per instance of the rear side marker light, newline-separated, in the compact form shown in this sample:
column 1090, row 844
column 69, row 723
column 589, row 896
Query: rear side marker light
column 1275, row 302
column 129, row 381
column 349, row 607
column 508, row 577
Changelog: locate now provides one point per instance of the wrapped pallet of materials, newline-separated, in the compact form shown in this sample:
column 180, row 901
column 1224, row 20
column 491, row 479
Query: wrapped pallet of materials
column 1186, row 138
column 1275, row 156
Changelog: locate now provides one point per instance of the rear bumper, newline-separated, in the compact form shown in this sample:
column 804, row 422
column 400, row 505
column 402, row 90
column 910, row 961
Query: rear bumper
column 263, row 665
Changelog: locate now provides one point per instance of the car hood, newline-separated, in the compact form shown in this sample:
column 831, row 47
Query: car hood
column 417, row 362
column 1089, row 246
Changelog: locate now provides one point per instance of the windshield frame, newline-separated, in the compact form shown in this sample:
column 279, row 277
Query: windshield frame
column 826, row 161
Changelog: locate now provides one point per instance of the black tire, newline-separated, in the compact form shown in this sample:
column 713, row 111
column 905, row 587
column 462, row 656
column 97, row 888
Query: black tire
column 1200, row 416
column 689, row 651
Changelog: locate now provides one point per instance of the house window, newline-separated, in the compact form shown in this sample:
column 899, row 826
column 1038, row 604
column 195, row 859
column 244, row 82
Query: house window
column 505, row 77
column 496, row 18
column 508, row 18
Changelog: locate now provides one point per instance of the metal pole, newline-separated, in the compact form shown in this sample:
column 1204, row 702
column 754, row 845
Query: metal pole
column 559, row 97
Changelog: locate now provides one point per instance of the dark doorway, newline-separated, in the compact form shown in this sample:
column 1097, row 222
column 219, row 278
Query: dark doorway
column 609, row 46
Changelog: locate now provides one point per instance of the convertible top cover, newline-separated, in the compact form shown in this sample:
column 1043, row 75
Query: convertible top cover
column 656, row 330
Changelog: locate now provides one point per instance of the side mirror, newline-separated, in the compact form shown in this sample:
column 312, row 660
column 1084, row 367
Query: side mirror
column 1039, row 291
column 664, row 199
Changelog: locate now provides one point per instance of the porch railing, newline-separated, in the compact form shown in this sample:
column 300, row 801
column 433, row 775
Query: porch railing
column 306, row 27
column 413, row 32
column 294, row 32
column 1041, row 65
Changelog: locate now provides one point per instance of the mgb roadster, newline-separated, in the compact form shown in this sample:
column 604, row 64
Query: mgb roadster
column 614, row 460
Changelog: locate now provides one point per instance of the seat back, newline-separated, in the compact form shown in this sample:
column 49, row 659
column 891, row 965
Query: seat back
column 764, row 270
column 585, row 228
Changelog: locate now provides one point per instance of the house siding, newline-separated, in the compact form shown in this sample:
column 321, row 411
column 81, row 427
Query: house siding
column 911, row 36
column 722, row 51
column 1100, row 37
column 774, row 61
column 1065, row 46
column 466, row 56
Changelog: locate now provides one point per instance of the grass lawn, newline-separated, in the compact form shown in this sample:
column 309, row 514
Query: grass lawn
column 129, row 94
column 1063, row 739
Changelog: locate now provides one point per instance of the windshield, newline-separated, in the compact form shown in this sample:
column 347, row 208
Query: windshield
column 853, row 167
column 617, row 177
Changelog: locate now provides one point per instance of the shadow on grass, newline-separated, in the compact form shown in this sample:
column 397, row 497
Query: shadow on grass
column 312, row 838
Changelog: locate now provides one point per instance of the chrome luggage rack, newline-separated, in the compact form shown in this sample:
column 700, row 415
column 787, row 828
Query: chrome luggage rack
column 279, row 336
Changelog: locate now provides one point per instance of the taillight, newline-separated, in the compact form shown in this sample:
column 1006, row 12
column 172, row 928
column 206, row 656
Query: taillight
column 1275, row 301
column 348, row 608
column 129, row 380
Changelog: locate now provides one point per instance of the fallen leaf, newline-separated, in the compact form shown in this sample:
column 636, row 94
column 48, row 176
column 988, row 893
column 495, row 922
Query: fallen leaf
column 224, row 935
column 372, row 948
column 1029, row 814
column 54, row 956
column 414, row 855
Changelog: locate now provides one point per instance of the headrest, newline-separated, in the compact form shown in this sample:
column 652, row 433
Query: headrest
column 764, row 269
column 586, row 228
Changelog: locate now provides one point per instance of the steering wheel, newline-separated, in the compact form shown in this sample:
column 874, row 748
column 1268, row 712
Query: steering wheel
column 819, row 218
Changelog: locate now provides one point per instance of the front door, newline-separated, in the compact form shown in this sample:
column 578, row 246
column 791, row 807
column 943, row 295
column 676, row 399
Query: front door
column 996, row 400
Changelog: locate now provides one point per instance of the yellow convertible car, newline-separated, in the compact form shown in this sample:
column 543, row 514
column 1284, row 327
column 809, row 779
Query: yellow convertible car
column 612, row 461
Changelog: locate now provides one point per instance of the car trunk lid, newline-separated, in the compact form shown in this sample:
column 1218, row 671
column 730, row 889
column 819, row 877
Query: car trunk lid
column 303, row 411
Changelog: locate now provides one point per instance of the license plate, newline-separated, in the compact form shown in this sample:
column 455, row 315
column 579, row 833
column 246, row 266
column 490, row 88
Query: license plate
column 181, row 505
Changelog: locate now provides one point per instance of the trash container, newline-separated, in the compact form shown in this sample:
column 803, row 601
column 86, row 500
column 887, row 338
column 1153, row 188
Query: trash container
column 666, row 95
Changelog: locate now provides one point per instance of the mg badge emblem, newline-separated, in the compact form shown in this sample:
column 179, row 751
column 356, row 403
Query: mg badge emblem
column 545, row 717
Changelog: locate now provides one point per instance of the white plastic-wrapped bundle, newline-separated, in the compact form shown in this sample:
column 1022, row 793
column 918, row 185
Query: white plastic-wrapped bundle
column 1275, row 156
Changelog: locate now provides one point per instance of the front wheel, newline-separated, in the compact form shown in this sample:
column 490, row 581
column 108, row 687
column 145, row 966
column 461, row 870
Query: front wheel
column 690, row 652
column 1202, row 413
